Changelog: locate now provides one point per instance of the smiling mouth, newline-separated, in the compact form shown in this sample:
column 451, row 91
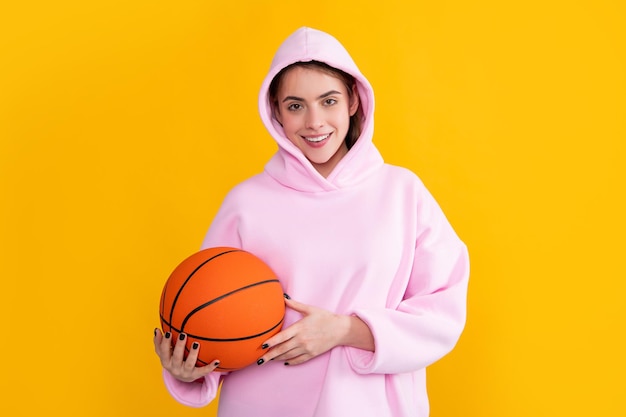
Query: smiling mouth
column 316, row 139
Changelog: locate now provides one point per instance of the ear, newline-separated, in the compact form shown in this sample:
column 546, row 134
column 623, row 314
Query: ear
column 354, row 100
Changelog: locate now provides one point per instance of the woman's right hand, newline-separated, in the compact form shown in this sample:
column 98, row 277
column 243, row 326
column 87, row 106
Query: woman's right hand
column 173, row 359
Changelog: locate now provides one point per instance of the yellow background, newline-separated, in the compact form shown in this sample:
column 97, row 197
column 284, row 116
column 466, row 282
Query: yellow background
column 124, row 123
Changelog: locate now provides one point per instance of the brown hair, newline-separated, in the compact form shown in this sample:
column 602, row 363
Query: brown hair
column 354, row 131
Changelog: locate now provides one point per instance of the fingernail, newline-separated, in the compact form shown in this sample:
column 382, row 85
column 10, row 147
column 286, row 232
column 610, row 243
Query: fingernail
column 182, row 336
column 287, row 296
column 265, row 346
column 168, row 335
column 155, row 331
column 216, row 363
column 195, row 345
column 260, row 361
column 286, row 363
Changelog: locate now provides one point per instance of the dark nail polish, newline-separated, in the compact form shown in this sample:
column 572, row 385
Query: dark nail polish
column 155, row 331
column 265, row 346
column 216, row 363
column 168, row 335
column 286, row 363
column 182, row 336
column 260, row 361
column 287, row 296
column 195, row 345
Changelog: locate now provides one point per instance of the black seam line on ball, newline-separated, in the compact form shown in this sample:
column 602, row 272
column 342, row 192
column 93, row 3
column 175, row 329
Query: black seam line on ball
column 208, row 303
column 234, row 339
column 180, row 290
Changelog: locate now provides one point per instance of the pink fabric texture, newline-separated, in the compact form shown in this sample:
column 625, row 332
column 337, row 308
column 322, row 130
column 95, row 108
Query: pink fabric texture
column 369, row 240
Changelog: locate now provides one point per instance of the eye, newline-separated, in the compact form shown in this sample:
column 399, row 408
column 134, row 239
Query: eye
column 330, row 101
column 294, row 107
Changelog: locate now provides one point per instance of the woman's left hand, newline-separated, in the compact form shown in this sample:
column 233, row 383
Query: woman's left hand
column 317, row 332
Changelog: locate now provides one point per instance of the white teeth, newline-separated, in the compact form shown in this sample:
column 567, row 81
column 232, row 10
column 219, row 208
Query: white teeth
column 316, row 139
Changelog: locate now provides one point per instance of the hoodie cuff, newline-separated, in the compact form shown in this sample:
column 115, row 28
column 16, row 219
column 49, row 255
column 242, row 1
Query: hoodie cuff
column 192, row 394
column 361, row 361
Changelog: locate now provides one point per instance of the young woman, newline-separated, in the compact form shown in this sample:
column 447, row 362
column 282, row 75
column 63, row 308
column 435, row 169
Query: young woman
column 377, row 277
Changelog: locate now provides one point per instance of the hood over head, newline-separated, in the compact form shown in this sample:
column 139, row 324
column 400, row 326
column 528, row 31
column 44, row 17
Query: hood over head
column 289, row 166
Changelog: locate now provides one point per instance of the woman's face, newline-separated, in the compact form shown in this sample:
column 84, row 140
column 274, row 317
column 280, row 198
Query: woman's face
column 314, row 109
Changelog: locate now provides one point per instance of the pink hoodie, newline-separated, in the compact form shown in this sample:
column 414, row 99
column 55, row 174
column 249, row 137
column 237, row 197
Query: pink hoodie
column 368, row 240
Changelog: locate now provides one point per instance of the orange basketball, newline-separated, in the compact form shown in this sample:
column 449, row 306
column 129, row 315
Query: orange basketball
column 227, row 300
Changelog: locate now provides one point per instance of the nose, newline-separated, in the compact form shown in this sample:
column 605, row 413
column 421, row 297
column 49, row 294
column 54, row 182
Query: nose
column 314, row 119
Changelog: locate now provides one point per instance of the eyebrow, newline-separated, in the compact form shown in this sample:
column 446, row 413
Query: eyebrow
column 326, row 94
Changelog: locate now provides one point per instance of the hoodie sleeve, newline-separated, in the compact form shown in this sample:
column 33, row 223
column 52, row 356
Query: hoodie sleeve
column 223, row 232
column 428, row 322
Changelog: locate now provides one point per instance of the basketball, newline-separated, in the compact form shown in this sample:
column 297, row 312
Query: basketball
column 227, row 300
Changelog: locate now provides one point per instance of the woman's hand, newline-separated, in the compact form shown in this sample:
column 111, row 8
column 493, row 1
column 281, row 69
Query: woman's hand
column 317, row 332
column 172, row 359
